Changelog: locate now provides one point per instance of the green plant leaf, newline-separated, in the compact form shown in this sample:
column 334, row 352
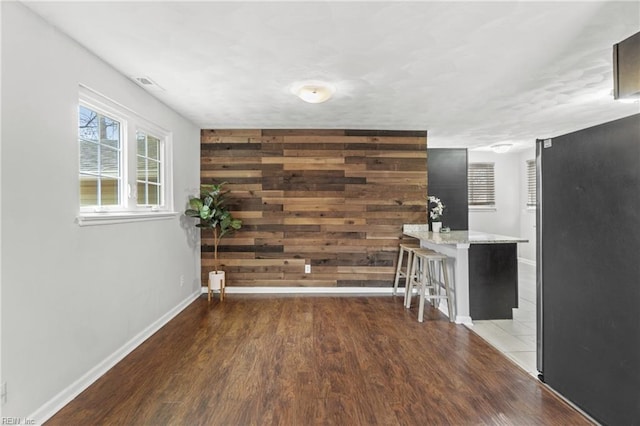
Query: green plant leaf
column 195, row 203
column 205, row 212
column 211, row 208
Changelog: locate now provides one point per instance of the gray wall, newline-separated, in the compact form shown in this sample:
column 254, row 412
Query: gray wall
column 511, row 215
column 526, row 251
column 74, row 297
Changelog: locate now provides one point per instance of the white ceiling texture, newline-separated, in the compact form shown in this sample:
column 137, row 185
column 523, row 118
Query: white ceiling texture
column 472, row 74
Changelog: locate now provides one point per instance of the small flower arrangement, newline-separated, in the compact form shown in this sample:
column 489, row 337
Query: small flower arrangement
column 436, row 212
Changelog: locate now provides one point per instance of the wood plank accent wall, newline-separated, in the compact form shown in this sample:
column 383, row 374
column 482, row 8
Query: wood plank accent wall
column 334, row 199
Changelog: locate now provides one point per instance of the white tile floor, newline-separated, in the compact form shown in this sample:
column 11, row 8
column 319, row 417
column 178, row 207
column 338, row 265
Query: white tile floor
column 516, row 338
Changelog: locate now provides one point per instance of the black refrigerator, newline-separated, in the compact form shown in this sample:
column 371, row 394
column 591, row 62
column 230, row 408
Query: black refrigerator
column 588, row 261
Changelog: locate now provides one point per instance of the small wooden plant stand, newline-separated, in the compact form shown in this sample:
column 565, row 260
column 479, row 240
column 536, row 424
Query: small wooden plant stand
column 216, row 282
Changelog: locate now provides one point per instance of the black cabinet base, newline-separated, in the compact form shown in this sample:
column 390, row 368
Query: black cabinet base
column 493, row 281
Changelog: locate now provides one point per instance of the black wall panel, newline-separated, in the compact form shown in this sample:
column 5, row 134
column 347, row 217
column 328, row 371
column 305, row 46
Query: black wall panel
column 447, row 180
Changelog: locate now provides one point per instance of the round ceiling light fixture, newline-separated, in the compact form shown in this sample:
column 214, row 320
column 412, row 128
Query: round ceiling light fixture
column 314, row 92
column 501, row 148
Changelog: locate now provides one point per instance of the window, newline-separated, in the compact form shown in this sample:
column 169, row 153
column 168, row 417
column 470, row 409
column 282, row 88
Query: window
column 481, row 183
column 100, row 139
column 531, row 183
column 124, row 170
column 149, row 170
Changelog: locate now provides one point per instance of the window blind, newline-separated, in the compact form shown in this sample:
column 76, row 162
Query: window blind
column 481, row 183
column 531, row 183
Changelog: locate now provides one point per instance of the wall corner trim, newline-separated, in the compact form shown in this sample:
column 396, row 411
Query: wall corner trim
column 527, row 261
column 55, row 404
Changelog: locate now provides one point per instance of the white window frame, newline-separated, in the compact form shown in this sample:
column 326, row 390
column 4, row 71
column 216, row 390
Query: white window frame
column 128, row 210
column 480, row 207
column 162, row 173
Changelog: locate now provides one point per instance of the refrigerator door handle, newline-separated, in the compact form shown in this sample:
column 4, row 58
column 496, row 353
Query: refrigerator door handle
column 540, row 145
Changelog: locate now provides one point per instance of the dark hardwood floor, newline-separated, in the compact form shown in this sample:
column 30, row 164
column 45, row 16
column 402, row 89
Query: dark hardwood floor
column 269, row 360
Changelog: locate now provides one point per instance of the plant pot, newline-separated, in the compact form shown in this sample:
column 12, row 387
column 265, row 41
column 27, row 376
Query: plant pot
column 216, row 282
column 436, row 226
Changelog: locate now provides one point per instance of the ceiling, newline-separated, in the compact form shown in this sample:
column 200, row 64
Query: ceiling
column 472, row 74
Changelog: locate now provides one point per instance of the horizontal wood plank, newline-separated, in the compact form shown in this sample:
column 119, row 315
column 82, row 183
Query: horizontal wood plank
column 334, row 199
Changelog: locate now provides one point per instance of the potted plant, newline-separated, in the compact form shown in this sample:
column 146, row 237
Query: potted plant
column 436, row 213
column 211, row 208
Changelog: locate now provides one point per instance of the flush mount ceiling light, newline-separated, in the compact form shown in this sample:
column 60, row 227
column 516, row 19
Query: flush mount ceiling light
column 314, row 92
column 501, row 148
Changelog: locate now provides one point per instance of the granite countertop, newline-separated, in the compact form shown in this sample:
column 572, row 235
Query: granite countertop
column 458, row 237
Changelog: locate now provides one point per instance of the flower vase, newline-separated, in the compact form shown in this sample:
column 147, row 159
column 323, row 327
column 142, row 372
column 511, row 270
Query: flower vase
column 436, row 226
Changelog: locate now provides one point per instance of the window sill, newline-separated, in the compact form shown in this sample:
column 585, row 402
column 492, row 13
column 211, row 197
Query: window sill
column 90, row 219
column 482, row 208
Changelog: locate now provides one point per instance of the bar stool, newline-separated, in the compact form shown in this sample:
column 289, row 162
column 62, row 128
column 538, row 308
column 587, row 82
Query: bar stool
column 429, row 275
column 418, row 269
column 403, row 271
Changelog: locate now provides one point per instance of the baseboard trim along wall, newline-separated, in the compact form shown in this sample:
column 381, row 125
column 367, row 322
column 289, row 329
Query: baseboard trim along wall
column 56, row 403
column 327, row 291
column 309, row 290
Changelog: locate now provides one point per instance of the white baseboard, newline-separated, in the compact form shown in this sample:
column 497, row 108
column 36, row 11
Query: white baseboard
column 464, row 320
column 56, row 403
column 309, row 290
column 355, row 291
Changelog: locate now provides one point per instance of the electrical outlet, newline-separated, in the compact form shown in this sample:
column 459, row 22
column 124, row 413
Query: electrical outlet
column 3, row 393
column 181, row 280
column 307, row 269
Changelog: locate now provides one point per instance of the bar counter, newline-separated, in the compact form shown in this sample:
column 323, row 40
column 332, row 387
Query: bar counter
column 484, row 267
